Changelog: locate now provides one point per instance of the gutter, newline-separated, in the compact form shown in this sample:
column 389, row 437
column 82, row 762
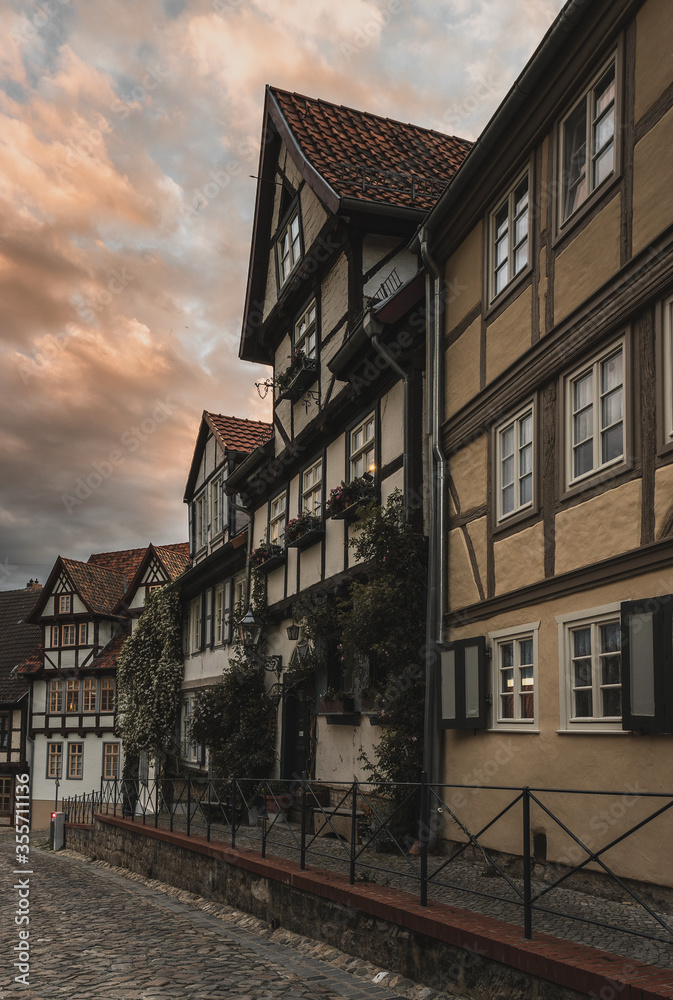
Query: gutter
column 438, row 542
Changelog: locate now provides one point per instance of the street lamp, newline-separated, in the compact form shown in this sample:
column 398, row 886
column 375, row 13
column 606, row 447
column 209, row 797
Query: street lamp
column 293, row 632
column 249, row 630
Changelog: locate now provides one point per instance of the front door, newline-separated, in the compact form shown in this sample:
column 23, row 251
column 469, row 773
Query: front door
column 297, row 726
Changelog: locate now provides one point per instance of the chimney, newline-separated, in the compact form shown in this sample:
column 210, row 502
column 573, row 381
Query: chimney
column 33, row 585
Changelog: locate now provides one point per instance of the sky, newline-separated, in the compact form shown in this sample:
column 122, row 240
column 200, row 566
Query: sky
column 122, row 284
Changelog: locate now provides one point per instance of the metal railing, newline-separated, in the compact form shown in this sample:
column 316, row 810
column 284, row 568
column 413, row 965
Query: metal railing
column 371, row 822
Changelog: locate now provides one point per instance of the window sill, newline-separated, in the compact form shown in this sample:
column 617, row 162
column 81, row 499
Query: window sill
column 597, row 479
column 593, row 731
column 514, row 728
column 602, row 194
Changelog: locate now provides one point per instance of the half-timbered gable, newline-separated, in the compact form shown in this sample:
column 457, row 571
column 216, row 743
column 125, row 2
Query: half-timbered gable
column 552, row 258
column 18, row 640
column 335, row 305
column 159, row 566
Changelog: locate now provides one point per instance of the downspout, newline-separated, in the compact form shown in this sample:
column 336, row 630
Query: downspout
column 437, row 536
column 372, row 327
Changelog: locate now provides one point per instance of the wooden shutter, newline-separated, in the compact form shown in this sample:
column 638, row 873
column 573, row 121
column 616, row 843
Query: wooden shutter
column 647, row 665
column 463, row 684
column 209, row 617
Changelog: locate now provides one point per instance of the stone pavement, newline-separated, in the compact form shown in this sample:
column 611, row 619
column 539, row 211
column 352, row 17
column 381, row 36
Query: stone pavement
column 97, row 933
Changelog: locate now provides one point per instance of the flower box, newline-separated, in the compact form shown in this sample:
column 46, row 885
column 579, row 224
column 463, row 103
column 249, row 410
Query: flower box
column 308, row 538
column 303, row 530
column 296, row 379
column 346, row 499
column 267, row 557
column 370, row 706
column 340, row 706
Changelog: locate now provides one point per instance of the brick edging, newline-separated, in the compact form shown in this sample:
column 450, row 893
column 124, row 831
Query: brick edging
column 573, row 966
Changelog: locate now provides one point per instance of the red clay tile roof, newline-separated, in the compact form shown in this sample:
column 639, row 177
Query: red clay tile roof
column 19, row 640
column 126, row 561
column 174, row 558
column 370, row 158
column 237, row 433
column 101, row 588
column 109, row 655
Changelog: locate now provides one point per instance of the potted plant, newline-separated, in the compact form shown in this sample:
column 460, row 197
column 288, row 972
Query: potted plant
column 267, row 555
column 370, row 701
column 345, row 499
column 335, row 702
column 278, row 799
column 303, row 530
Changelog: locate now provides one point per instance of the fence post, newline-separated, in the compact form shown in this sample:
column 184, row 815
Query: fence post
column 354, row 828
column 189, row 805
column 424, row 834
column 156, row 803
column 527, row 909
column 171, row 805
column 233, row 811
column 209, row 811
column 302, row 853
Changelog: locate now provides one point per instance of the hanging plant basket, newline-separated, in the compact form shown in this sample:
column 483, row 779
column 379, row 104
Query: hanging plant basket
column 296, row 379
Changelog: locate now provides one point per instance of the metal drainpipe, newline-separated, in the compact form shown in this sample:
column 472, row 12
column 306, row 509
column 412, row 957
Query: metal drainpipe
column 435, row 604
column 369, row 325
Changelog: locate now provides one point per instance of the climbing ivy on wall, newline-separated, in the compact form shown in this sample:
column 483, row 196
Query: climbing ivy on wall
column 149, row 680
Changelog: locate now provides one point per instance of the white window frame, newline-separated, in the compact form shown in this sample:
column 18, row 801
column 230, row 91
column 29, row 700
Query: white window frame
column 277, row 518
column 83, row 634
column 68, row 635
column 312, row 490
column 55, row 693
column 513, row 246
column 498, row 639
column 54, row 634
column 72, row 685
column 216, row 502
column 590, row 153
column 65, row 604
column 89, row 694
column 567, row 624
column 515, row 421
column 76, row 757
column 368, row 445
column 195, row 625
column 289, row 253
column 200, row 515
column 594, row 365
column 54, row 757
column 308, row 340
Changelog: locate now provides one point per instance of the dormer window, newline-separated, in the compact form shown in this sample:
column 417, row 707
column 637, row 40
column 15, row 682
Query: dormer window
column 65, row 604
column 289, row 247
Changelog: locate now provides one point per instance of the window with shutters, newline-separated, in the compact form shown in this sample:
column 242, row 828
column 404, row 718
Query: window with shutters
column 591, row 669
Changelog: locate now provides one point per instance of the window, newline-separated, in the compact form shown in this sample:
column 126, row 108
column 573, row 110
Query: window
column 595, row 415
column 83, row 634
column 592, row 669
column 200, row 515
column 69, row 635
column 311, row 489
column 65, row 604
column 239, row 594
column 588, row 143
column 72, row 696
column 363, row 456
column 151, row 587
column 53, row 639
column 222, row 612
column 277, row 511
column 216, row 506
column 75, row 760
column 509, row 238
column 4, row 731
column 305, row 332
column 89, row 694
column 55, row 696
column 110, row 760
column 515, row 464
column 289, row 247
column 54, row 760
column 514, row 677
column 144, row 768
column 107, row 694
column 195, row 625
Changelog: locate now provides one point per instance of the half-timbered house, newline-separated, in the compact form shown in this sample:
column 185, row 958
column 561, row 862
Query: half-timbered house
column 215, row 584
column 85, row 611
column 334, row 304
column 554, row 436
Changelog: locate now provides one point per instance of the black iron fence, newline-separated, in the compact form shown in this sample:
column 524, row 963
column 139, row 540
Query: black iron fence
column 396, row 829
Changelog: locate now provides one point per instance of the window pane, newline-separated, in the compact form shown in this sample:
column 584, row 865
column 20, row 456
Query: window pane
column 583, row 425
column 526, row 429
column 521, row 257
column 584, row 458
column 500, row 278
column 605, row 91
column 501, row 251
column 507, row 654
column 612, row 701
column 294, row 227
column 583, row 704
column 521, row 196
column 507, row 681
column 604, row 164
column 526, row 647
column 507, row 441
column 582, row 672
column 508, row 471
column 612, row 669
column 574, row 159
column 612, row 372
column 613, row 443
column 521, row 227
column 583, row 391
column 526, row 490
column 501, row 222
column 526, row 459
column 527, row 706
column 612, row 408
column 604, row 129
column 582, row 642
column 508, row 499
column 507, row 706
column 611, row 637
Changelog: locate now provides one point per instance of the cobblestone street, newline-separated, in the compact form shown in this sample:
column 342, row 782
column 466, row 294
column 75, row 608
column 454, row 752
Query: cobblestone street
column 97, row 934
